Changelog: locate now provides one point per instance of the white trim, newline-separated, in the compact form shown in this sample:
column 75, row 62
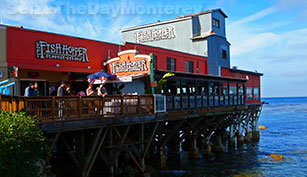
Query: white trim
column 155, row 106
column 155, row 24
column 111, row 60
column 137, row 75
column 126, row 51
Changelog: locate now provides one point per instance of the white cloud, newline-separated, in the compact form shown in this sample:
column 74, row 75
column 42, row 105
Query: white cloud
column 256, row 16
column 253, row 43
column 280, row 54
column 43, row 15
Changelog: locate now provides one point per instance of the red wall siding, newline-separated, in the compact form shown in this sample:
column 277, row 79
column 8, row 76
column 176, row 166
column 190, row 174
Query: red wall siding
column 253, row 81
column 21, row 51
column 162, row 54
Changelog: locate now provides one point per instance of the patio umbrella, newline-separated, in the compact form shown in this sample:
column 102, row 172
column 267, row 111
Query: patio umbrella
column 99, row 75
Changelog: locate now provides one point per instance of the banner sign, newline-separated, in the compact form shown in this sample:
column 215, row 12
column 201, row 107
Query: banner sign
column 154, row 34
column 128, row 63
column 118, row 79
column 45, row 50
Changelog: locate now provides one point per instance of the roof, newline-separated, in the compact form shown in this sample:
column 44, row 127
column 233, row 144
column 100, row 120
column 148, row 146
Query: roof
column 204, row 12
column 179, row 18
column 246, row 72
column 154, row 24
column 53, row 33
column 207, row 35
column 202, row 76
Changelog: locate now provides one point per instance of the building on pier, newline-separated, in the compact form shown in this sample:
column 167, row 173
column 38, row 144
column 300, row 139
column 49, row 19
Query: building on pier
column 205, row 103
column 194, row 43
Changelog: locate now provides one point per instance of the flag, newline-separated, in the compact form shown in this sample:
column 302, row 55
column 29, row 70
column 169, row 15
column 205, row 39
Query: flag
column 168, row 75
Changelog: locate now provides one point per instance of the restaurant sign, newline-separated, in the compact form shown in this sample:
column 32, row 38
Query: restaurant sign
column 154, row 34
column 45, row 50
column 128, row 63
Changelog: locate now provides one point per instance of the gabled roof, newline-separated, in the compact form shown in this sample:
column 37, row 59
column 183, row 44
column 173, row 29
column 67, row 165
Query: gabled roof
column 179, row 18
column 246, row 72
column 204, row 12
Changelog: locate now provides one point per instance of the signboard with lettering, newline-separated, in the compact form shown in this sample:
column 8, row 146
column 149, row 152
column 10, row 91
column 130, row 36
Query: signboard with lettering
column 128, row 63
column 154, row 34
column 45, row 50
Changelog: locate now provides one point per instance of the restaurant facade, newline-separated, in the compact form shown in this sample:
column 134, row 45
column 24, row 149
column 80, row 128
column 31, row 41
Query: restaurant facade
column 47, row 58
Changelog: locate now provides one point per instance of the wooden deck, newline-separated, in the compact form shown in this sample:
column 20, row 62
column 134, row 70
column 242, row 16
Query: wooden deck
column 70, row 113
column 48, row 109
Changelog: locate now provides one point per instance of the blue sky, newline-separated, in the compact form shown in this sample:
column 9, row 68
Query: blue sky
column 269, row 36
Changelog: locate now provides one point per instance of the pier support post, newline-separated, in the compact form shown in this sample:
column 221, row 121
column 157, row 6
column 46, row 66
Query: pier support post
column 231, row 143
column 218, row 146
column 206, row 148
column 255, row 135
column 240, row 140
column 248, row 137
column 193, row 150
column 174, row 143
column 160, row 158
column 231, row 139
column 224, row 136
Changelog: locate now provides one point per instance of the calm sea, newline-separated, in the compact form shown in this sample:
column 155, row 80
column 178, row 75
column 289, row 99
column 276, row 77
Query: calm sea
column 286, row 134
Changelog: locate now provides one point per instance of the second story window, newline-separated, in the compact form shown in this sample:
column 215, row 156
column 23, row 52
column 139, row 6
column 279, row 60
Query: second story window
column 216, row 23
column 224, row 54
column 189, row 66
column 249, row 93
column 256, row 93
column 171, row 64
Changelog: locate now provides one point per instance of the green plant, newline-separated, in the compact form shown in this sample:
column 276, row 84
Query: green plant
column 22, row 144
column 163, row 80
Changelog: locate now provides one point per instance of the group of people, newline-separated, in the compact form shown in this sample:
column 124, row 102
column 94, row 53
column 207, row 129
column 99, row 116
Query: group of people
column 100, row 91
column 65, row 90
column 31, row 90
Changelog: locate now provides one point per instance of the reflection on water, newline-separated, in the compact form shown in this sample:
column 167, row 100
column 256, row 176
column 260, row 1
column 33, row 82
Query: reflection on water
column 286, row 135
column 242, row 162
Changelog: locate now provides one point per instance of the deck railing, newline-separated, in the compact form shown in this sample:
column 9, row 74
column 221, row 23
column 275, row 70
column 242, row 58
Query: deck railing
column 196, row 102
column 111, row 106
column 76, row 108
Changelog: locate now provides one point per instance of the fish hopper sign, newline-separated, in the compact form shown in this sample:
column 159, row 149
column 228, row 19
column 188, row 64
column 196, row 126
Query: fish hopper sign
column 129, row 63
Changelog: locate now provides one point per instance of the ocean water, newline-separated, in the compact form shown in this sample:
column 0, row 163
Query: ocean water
column 286, row 135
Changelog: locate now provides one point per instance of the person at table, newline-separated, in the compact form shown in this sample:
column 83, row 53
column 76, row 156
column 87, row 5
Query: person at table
column 61, row 90
column 101, row 90
column 30, row 90
column 67, row 90
column 90, row 91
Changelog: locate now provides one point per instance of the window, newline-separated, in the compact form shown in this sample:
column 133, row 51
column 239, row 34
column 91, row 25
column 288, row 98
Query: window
column 241, row 92
column 233, row 90
column 256, row 93
column 178, row 91
column 189, row 66
column 216, row 23
column 224, row 54
column 249, row 93
column 225, row 90
column 171, row 64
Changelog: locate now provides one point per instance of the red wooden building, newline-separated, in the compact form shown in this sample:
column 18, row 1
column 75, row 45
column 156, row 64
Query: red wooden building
column 48, row 58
